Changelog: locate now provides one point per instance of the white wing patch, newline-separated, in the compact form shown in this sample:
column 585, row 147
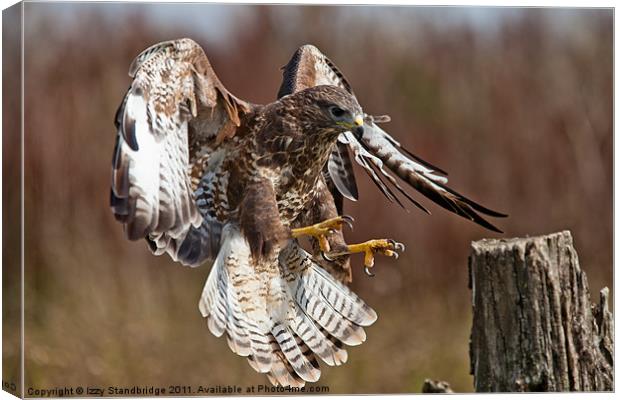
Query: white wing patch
column 159, row 188
column 173, row 86
column 144, row 164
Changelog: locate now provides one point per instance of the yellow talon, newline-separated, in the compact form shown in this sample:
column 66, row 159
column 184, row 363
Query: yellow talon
column 369, row 259
column 387, row 247
column 323, row 243
column 323, row 229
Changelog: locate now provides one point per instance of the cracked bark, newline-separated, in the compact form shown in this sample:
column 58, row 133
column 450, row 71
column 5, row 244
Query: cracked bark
column 534, row 327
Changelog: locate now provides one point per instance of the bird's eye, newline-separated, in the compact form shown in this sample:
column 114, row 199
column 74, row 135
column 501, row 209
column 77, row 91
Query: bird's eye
column 337, row 112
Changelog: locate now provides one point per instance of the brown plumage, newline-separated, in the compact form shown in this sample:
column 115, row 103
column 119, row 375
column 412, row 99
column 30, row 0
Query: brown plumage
column 375, row 148
column 205, row 176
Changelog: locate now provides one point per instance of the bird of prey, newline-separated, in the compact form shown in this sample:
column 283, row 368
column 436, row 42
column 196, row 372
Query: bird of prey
column 207, row 177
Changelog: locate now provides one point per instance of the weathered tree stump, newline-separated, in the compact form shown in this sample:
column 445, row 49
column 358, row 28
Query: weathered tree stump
column 534, row 326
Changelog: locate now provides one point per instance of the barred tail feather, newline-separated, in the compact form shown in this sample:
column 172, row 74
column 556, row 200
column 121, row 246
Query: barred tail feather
column 340, row 297
column 340, row 355
column 318, row 340
column 285, row 319
column 262, row 352
column 325, row 315
column 282, row 372
column 290, row 345
column 237, row 333
column 218, row 321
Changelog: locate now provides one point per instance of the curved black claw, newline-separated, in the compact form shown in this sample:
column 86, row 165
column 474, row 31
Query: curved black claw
column 367, row 271
column 326, row 257
column 396, row 245
column 347, row 219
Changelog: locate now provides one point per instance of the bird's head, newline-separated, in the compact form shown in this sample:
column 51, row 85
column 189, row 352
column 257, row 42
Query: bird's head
column 331, row 110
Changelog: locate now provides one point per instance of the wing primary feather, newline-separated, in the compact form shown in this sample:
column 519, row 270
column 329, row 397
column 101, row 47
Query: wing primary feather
column 448, row 200
column 379, row 183
column 411, row 199
column 375, row 166
column 126, row 125
column 381, row 150
column 129, row 132
column 341, row 172
column 423, row 162
column 373, row 123
column 118, row 117
column 434, row 169
column 472, row 203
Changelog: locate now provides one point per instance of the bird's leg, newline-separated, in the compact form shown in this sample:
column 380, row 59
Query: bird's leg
column 323, row 229
column 387, row 247
column 260, row 222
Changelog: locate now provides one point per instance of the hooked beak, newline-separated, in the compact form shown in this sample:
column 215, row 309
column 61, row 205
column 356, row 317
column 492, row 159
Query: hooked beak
column 358, row 129
column 356, row 126
column 359, row 120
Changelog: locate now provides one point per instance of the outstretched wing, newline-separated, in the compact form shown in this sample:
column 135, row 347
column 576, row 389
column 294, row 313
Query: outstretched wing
column 376, row 149
column 175, row 107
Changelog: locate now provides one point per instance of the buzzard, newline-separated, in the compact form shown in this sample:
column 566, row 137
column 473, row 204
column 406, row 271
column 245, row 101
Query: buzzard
column 205, row 176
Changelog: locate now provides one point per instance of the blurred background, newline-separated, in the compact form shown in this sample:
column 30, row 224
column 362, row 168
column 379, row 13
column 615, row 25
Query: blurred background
column 516, row 104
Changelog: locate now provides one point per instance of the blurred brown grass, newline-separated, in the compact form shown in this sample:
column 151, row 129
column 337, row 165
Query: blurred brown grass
column 522, row 121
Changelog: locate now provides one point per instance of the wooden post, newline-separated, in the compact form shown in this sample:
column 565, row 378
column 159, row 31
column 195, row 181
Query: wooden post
column 534, row 327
